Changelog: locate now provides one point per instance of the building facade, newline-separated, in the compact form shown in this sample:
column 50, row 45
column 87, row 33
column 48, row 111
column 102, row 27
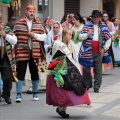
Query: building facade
column 57, row 8
column 4, row 12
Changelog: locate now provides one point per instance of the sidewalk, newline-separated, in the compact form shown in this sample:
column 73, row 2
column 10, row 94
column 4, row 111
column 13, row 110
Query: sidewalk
column 105, row 104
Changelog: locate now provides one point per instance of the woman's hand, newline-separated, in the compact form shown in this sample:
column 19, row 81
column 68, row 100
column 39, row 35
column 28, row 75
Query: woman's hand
column 73, row 31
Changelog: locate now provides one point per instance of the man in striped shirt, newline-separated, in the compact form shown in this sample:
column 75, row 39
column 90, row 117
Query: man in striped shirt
column 29, row 49
column 96, row 41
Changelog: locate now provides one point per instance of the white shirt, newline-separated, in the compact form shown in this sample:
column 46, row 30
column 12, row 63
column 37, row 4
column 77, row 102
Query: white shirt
column 113, row 30
column 39, row 37
column 12, row 39
column 29, row 24
column 95, row 37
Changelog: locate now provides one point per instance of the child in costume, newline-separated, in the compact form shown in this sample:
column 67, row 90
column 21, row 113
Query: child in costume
column 64, row 84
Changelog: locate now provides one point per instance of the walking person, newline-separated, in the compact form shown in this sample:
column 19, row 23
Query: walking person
column 93, row 51
column 76, row 29
column 29, row 49
column 48, row 22
column 115, row 43
column 64, row 86
column 77, row 21
column 27, row 77
column 54, row 34
column 111, row 28
column 7, row 61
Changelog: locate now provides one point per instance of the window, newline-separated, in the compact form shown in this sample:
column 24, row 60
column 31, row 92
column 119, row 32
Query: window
column 109, row 7
column 43, row 9
column 72, row 6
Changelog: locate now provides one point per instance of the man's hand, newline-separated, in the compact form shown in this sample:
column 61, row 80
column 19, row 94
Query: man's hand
column 89, row 33
column 2, row 33
column 31, row 34
column 102, row 51
column 1, row 27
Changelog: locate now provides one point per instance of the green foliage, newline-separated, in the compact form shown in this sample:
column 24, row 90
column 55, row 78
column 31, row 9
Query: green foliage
column 59, row 70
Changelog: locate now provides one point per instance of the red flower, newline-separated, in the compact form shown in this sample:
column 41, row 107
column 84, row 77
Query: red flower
column 55, row 38
column 53, row 64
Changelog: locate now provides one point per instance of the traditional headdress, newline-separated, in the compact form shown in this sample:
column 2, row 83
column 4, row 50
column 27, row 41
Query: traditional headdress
column 30, row 7
column 60, row 31
column 46, row 20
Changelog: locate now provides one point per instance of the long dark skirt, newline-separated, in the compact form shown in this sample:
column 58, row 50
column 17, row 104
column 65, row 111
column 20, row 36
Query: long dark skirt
column 57, row 96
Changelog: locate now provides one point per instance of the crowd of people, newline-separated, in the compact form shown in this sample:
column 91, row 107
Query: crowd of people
column 76, row 50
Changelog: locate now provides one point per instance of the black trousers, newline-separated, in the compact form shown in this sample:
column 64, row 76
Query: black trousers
column 87, row 79
column 6, row 75
column 22, row 66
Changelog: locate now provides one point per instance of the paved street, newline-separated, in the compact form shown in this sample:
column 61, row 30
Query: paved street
column 105, row 105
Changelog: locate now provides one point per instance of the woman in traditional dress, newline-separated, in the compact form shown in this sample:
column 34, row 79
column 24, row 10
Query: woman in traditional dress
column 78, row 25
column 48, row 22
column 77, row 28
column 64, row 85
column 115, row 43
column 54, row 34
column 68, row 22
column 111, row 28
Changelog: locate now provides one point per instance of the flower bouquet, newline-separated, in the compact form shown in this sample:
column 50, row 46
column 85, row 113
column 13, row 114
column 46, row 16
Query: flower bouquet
column 58, row 67
column 116, row 40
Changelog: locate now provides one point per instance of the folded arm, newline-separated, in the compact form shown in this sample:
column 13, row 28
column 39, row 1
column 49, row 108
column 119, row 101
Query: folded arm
column 12, row 39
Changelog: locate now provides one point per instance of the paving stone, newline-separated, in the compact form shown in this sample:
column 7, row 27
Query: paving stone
column 105, row 105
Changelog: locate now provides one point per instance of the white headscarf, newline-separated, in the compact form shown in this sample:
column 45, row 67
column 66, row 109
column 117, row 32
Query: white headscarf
column 49, row 40
column 60, row 31
column 68, row 50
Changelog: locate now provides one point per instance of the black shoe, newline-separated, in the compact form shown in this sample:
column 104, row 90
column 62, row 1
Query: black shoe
column 7, row 99
column 59, row 112
column 29, row 92
column 62, row 113
column 96, row 91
